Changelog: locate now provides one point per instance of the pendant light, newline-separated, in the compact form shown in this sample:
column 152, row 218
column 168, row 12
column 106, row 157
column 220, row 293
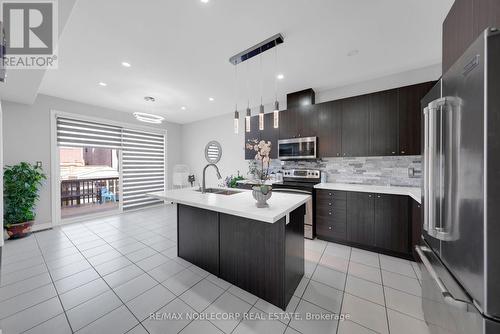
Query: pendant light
column 249, row 111
column 236, row 113
column 276, row 111
column 261, row 108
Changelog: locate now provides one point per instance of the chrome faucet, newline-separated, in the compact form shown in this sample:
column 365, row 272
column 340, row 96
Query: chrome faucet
column 203, row 186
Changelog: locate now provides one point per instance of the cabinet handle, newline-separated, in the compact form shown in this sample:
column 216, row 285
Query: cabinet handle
column 419, row 206
column 378, row 196
column 344, row 154
column 402, row 152
column 338, row 154
column 329, row 227
column 393, row 152
column 330, row 213
column 369, row 195
column 329, row 194
column 330, row 204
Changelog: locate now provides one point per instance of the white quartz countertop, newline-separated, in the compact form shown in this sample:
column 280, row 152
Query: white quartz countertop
column 241, row 204
column 413, row 192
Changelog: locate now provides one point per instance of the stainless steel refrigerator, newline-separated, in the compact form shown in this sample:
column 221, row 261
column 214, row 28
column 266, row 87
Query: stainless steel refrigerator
column 460, row 251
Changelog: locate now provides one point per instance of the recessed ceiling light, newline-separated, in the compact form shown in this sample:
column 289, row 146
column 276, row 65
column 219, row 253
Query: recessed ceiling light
column 280, row 76
column 103, row 84
column 125, row 64
column 183, row 108
column 353, row 53
column 204, row 1
column 211, row 99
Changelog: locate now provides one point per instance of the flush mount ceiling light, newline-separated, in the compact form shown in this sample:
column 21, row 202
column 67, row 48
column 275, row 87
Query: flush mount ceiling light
column 205, row 1
column 280, row 76
column 148, row 118
column 183, row 108
column 125, row 64
column 211, row 99
column 102, row 84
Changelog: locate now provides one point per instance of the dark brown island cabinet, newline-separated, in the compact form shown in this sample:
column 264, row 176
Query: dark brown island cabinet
column 265, row 259
column 385, row 223
column 385, row 123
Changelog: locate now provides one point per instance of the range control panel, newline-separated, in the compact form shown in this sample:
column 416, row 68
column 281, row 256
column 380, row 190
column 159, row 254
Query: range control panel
column 302, row 173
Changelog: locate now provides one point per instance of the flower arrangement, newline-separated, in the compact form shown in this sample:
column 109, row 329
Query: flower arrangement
column 259, row 167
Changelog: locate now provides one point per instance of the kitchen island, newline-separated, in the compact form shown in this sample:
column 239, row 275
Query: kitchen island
column 258, row 250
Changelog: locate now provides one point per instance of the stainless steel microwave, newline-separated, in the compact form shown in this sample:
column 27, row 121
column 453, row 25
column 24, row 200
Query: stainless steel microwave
column 297, row 148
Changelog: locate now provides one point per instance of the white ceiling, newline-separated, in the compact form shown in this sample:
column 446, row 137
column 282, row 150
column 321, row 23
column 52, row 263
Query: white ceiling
column 179, row 50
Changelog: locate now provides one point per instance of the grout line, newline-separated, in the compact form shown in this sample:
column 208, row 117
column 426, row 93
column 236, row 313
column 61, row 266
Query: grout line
column 343, row 292
column 385, row 301
column 53, row 283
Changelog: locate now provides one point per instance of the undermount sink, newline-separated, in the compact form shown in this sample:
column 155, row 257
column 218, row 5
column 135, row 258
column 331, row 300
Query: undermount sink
column 219, row 191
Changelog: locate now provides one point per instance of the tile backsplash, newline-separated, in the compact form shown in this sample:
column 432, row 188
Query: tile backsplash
column 387, row 171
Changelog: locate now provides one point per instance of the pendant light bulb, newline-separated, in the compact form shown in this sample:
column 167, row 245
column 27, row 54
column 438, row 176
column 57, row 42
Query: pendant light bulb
column 261, row 118
column 247, row 119
column 236, row 121
column 276, row 115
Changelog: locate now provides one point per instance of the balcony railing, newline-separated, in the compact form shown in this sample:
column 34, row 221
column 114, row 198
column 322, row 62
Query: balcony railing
column 87, row 191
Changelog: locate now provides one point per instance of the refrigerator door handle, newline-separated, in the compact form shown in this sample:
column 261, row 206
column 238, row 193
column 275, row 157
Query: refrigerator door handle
column 426, row 169
column 447, row 296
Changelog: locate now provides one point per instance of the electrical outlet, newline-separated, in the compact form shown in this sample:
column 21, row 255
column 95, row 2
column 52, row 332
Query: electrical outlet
column 39, row 164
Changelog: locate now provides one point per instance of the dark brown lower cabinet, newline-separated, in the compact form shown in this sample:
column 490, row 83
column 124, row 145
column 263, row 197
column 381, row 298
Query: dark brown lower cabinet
column 416, row 226
column 360, row 224
column 391, row 223
column 379, row 222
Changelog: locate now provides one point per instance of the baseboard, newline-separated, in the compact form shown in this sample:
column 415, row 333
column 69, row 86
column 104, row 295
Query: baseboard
column 41, row 227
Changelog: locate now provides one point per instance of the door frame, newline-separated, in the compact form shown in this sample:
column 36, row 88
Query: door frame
column 55, row 183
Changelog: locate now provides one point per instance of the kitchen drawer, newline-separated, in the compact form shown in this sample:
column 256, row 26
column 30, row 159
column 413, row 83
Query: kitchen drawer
column 322, row 194
column 325, row 206
column 330, row 229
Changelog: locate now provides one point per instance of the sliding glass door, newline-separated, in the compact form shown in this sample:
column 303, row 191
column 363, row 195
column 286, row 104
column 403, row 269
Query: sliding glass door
column 103, row 168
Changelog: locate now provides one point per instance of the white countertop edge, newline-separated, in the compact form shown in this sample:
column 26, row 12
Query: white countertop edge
column 413, row 192
column 249, row 215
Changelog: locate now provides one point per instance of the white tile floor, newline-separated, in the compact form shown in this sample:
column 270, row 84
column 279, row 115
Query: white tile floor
column 108, row 275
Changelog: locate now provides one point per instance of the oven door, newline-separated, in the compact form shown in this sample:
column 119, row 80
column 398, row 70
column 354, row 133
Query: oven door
column 297, row 148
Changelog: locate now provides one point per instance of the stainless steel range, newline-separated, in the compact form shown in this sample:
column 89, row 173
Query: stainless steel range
column 302, row 181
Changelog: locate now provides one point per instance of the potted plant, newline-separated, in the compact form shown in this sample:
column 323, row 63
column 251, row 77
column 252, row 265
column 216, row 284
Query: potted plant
column 21, row 185
column 260, row 169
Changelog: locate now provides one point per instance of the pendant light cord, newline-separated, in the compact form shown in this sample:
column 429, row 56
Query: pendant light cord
column 261, row 80
column 276, row 71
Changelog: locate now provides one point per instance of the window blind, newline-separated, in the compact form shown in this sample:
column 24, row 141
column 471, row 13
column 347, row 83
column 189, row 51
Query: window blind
column 143, row 167
column 77, row 133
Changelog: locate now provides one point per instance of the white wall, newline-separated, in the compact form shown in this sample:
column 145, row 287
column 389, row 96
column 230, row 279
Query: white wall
column 377, row 84
column 197, row 134
column 26, row 135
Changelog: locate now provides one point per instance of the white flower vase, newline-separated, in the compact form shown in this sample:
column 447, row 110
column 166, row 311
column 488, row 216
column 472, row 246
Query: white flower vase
column 261, row 195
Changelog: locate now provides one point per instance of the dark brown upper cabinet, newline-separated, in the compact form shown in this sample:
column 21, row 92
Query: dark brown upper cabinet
column 301, row 98
column 384, row 123
column 466, row 20
column 356, row 126
column 307, row 121
column 298, row 122
column 270, row 134
column 410, row 117
column 329, row 115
